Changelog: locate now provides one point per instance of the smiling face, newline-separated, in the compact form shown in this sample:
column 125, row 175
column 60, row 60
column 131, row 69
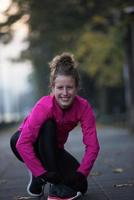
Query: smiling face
column 64, row 89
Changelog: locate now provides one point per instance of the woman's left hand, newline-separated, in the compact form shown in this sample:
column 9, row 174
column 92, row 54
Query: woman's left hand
column 74, row 178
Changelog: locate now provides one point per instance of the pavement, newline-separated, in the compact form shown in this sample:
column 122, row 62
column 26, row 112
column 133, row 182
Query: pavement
column 112, row 177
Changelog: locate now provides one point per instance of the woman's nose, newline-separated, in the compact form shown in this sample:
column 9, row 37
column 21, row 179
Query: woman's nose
column 65, row 91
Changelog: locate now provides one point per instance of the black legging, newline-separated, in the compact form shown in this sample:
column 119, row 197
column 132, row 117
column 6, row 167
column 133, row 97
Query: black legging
column 55, row 159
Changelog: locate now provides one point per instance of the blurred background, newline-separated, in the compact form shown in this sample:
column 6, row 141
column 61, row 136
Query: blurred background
column 100, row 33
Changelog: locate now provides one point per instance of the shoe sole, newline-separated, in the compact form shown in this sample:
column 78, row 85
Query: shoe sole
column 79, row 194
column 28, row 191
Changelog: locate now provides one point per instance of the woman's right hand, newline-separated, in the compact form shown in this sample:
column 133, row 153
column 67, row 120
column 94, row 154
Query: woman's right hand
column 51, row 177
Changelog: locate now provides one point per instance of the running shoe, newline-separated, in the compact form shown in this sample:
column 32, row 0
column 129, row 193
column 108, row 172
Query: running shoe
column 62, row 192
column 35, row 186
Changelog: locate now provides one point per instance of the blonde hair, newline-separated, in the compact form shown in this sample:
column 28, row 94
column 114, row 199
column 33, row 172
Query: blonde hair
column 64, row 64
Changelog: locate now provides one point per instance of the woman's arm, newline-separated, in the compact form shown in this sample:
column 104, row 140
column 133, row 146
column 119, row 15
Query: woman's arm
column 90, row 140
column 28, row 136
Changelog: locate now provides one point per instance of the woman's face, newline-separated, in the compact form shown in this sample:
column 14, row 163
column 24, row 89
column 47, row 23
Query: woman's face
column 64, row 89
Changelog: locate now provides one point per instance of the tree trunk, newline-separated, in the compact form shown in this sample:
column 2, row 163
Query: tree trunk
column 129, row 45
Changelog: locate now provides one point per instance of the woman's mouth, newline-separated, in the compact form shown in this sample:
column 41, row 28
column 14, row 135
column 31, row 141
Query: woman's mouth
column 64, row 98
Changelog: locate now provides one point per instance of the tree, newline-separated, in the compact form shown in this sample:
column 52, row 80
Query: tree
column 129, row 63
column 80, row 26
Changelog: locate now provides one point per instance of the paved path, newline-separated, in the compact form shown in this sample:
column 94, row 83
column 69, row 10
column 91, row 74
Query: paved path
column 112, row 177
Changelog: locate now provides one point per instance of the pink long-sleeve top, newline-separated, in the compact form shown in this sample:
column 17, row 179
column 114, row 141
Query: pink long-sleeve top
column 47, row 108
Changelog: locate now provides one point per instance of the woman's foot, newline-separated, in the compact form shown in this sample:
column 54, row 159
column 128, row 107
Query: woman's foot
column 62, row 192
column 35, row 187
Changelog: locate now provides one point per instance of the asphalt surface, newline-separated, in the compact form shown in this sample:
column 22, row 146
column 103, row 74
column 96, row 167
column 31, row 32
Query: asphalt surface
column 112, row 177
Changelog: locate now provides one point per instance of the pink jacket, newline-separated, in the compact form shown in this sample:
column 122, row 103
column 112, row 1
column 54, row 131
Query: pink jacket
column 66, row 120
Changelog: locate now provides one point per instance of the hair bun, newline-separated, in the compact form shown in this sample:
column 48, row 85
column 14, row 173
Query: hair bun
column 64, row 64
column 63, row 60
column 66, row 59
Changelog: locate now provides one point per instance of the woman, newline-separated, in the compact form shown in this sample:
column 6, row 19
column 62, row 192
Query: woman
column 39, row 141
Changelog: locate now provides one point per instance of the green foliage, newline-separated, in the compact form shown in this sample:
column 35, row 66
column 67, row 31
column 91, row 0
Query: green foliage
column 101, row 55
column 84, row 27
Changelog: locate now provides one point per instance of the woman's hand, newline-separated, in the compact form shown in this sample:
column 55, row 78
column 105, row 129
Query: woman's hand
column 74, row 178
column 51, row 177
column 77, row 181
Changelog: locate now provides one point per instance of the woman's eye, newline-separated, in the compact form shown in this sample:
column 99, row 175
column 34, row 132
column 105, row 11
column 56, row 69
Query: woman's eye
column 69, row 87
column 60, row 87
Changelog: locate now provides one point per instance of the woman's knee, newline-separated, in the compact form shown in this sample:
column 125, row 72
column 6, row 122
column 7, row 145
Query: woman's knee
column 48, row 129
column 49, row 124
column 14, row 139
column 13, row 142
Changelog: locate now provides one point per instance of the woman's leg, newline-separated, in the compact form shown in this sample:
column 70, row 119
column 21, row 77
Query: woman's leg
column 13, row 142
column 68, row 165
column 46, row 145
column 44, row 152
column 54, row 159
